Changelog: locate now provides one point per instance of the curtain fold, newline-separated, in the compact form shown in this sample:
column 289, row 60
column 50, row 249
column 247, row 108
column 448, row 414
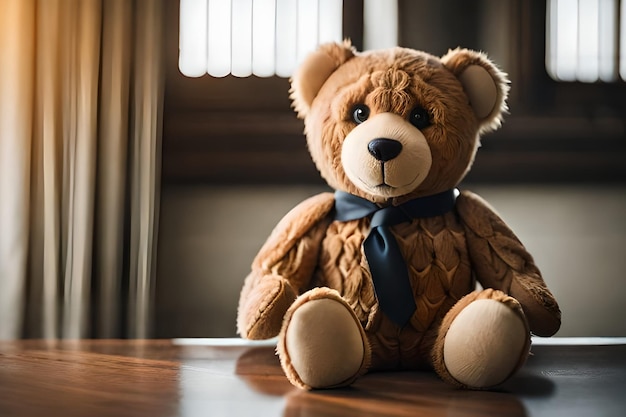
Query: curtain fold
column 145, row 167
column 80, row 137
column 17, row 31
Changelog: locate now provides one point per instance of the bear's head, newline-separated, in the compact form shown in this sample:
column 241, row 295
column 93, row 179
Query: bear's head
column 396, row 124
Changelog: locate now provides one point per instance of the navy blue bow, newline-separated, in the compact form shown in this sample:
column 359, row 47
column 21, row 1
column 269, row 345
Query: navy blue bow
column 389, row 272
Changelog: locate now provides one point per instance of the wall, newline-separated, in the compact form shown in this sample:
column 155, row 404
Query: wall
column 209, row 235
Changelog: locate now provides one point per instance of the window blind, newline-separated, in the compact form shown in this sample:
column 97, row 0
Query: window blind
column 253, row 37
column 586, row 40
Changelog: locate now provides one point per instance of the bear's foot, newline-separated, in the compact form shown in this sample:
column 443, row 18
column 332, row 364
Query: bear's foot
column 483, row 340
column 322, row 344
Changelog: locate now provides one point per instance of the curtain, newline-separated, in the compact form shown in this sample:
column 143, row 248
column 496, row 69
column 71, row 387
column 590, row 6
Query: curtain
column 80, row 142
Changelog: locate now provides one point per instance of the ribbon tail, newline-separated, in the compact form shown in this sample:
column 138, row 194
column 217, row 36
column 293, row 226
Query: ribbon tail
column 389, row 275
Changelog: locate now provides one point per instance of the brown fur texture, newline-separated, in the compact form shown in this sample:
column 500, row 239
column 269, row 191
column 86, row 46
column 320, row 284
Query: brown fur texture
column 445, row 254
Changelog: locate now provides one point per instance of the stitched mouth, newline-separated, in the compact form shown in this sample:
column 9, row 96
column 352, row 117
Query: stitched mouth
column 383, row 187
column 383, row 184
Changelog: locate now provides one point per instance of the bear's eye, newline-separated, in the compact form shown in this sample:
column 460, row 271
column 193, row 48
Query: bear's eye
column 360, row 113
column 419, row 118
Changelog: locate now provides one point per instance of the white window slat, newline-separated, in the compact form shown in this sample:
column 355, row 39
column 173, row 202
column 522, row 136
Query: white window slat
column 622, row 42
column 380, row 24
column 286, row 37
column 608, row 40
column 263, row 37
column 307, row 27
column 330, row 20
column 193, row 37
column 566, row 39
column 219, row 38
column 241, row 54
column 588, row 41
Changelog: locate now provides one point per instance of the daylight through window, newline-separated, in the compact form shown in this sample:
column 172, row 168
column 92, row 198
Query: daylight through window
column 253, row 37
column 586, row 40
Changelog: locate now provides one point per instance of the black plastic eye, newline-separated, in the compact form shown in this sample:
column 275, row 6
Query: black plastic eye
column 360, row 113
column 419, row 118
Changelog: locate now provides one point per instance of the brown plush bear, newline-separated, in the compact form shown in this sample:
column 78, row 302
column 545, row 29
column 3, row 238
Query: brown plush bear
column 381, row 275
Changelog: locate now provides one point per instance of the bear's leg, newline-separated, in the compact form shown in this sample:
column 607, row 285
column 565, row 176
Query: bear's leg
column 483, row 340
column 322, row 344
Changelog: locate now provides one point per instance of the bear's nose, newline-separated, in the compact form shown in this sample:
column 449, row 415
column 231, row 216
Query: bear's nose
column 384, row 149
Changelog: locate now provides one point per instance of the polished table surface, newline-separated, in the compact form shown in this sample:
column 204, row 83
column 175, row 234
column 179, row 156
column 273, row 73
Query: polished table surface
column 227, row 377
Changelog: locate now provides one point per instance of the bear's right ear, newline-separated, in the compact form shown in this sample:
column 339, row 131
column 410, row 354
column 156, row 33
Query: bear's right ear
column 314, row 71
column 485, row 85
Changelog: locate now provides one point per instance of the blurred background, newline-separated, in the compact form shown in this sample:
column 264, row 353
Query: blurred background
column 235, row 159
column 148, row 148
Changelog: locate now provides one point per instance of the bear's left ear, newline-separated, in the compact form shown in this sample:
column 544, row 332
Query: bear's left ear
column 485, row 85
column 314, row 71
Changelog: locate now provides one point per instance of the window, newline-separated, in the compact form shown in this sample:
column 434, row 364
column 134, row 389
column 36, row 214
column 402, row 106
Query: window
column 586, row 40
column 270, row 37
column 260, row 37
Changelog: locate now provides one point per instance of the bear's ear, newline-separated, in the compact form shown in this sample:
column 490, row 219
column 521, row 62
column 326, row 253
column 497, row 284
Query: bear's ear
column 314, row 71
column 485, row 85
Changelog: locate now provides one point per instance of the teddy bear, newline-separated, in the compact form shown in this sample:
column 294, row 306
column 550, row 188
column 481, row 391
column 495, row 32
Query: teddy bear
column 396, row 269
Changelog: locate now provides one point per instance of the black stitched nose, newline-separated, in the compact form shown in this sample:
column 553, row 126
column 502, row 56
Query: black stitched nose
column 384, row 149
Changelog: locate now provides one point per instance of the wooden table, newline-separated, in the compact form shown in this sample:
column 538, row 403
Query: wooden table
column 228, row 378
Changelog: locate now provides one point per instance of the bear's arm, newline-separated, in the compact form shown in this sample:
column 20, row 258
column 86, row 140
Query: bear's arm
column 500, row 261
column 283, row 268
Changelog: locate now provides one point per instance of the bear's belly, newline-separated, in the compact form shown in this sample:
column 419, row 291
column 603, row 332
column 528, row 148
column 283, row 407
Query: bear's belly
column 437, row 260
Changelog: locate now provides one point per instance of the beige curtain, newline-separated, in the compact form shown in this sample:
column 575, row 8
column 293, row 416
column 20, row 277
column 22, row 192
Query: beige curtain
column 80, row 134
